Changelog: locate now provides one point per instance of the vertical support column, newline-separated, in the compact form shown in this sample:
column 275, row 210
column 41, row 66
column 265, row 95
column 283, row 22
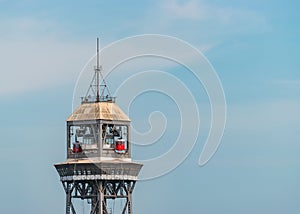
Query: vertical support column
column 69, row 144
column 96, row 203
column 69, row 189
column 128, row 141
column 100, row 202
column 129, row 202
column 131, row 185
column 126, row 186
column 68, row 198
column 101, row 192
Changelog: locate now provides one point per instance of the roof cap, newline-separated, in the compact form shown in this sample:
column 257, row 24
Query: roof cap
column 98, row 111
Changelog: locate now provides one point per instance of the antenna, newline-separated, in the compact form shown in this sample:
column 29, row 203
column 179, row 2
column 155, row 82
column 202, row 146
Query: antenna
column 98, row 81
column 97, row 70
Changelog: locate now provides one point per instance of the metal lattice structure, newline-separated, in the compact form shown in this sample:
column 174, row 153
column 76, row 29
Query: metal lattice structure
column 99, row 191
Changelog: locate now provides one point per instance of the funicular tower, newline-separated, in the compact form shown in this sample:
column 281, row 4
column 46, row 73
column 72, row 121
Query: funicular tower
column 98, row 168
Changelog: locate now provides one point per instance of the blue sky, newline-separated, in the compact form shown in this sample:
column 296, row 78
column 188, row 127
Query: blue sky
column 254, row 48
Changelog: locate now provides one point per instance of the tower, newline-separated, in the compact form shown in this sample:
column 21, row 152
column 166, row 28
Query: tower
column 98, row 167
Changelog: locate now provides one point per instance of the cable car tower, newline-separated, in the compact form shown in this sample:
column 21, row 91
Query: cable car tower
column 98, row 167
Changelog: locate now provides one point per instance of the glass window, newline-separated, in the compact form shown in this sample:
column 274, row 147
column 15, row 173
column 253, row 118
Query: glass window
column 111, row 134
column 83, row 135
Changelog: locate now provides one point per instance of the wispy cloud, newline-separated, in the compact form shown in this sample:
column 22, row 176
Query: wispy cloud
column 35, row 52
column 39, row 64
column 27, row 27
column 205, row 11
column 34, row 57
column 189, row 10
column 204, row 19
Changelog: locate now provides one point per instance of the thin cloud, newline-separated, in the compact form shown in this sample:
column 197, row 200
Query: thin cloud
column 188, row 10
column 204, row 18
column 27, row 27
column 34, row 65
column 35, row 54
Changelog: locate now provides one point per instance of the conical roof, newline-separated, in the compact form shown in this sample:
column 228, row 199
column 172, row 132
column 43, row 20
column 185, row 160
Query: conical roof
column 98, row 110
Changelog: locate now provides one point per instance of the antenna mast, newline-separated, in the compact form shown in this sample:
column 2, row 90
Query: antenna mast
column 97, row 70
column 95, row 86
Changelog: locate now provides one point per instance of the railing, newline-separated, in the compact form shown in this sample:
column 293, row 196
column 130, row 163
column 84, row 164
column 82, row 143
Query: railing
column 91, row 99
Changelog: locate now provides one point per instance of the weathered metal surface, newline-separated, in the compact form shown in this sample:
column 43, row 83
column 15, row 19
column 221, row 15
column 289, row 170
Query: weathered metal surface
column 98, row 171
column 98, row 111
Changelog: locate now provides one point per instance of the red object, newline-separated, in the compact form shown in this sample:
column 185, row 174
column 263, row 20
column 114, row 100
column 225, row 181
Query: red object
column 76, row 148
column 120, row 145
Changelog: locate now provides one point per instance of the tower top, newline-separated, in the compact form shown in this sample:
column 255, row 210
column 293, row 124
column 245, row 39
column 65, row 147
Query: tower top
column 98, row 168
column 98, row 129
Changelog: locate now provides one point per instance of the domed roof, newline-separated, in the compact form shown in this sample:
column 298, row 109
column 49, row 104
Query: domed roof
column 98, row 110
